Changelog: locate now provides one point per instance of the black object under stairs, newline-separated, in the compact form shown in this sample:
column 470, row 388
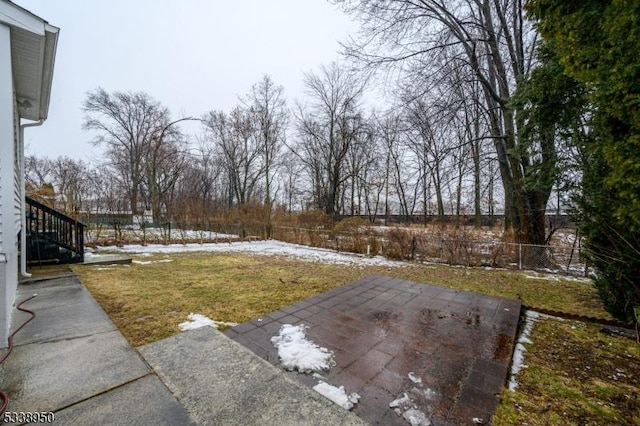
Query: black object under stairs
column 51, row 235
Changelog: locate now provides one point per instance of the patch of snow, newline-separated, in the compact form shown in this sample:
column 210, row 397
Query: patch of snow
column 403, row 400
column 555, row 277
column 585, row 280
column 543, row 277
column 404, row 406
column 263, row 248
column 94, row 255
column 337, row 395
column 296, row 352
column 414, row 378
column 149, row 262
column 517, row 362
column 199, row 320
column 478, row 421
column 430, row 394
column 176, row 234
column 416, row 417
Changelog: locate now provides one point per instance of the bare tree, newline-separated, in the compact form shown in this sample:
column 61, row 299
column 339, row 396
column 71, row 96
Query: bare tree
column 388, row 131
column 328, row 127
column 71, row 183
column 268, row 109
column 132, row 127
column 235, row 137
column 37, row 170
column 495, row 42
column 163, row 163
column 38, row 179
column 429, row 141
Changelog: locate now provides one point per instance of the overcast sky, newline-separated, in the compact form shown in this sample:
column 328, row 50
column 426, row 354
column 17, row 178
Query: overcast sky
column 191, row 55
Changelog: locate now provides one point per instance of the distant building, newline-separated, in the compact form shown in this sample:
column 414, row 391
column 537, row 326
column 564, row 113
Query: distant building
column 27, row 55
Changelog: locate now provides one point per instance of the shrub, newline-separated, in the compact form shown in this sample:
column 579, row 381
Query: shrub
column 352, row 225
column 400, row 244
column 313, row 219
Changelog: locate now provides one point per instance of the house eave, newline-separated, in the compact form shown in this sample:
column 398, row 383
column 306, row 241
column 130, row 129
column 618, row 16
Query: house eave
column 33, row 49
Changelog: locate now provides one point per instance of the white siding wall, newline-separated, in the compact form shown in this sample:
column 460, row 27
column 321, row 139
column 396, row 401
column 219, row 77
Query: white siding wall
column 9, row 195
column 17, row 163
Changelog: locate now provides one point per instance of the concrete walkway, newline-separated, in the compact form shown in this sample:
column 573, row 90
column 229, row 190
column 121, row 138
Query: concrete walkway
column 72, row 360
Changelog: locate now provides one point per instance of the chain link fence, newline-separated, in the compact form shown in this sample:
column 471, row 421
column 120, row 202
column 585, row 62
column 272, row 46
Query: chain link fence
column 393, row 243
column 425, row 247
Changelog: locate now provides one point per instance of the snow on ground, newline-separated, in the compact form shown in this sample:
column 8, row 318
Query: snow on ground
column 405, row 406
column 414, row 378
column 517, row 362
column 337, row 395
column 199, row 320
column 555, row 277
column 183, row 234
column 296, row 352
column 136, row 233
column 149, row 262
column 543, row 277
column 416, row 417
column 90, row 254
column 266, row 248
column 403, row 400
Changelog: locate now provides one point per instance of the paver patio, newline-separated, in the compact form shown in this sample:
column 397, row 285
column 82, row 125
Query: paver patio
column 458, row 344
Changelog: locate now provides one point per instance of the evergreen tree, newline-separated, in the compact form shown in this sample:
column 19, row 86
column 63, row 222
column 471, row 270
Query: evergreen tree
column 596, row 43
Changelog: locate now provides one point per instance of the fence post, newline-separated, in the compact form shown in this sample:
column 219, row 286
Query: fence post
column 519, row 255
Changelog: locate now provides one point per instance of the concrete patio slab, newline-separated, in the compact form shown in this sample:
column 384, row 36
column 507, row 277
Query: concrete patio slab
column 220, row 382
column 448, row 351
column 145, row 401
column 107, row 259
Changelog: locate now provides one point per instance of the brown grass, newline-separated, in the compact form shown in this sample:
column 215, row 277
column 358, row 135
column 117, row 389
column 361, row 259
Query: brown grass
column 147, row 302
column 576, row 375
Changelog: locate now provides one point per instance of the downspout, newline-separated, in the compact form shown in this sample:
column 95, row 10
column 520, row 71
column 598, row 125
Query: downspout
column 23, row 234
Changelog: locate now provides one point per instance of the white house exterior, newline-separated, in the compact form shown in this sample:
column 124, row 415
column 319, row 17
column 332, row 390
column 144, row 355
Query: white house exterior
column 27, row 54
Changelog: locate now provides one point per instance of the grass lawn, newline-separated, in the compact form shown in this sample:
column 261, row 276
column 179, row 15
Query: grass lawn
column 576, row 375
column 148, row 301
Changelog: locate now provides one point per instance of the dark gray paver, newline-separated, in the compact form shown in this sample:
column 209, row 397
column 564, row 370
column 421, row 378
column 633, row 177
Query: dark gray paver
column 220, row 382
column 145, row 401
column 381, row 329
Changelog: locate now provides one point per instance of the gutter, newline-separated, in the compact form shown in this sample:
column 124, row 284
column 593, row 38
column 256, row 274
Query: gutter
column 23, row 234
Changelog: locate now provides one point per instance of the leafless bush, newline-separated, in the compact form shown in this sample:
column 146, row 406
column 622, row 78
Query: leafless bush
column 357, row 236
column 400, row 244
